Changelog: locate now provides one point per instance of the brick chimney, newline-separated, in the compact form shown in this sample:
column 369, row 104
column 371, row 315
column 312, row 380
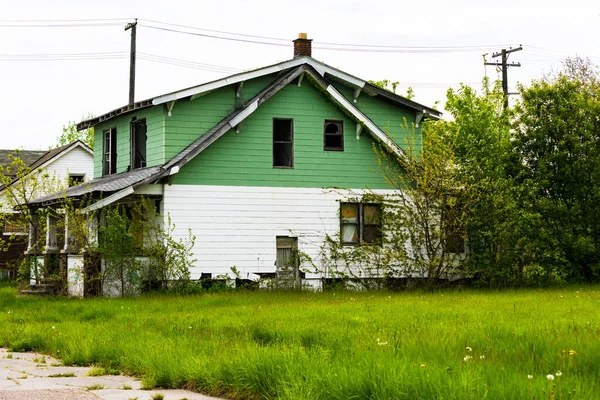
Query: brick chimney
column 302, row 46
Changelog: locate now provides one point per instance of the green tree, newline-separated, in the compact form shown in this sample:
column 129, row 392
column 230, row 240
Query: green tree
column 71, row 134
column 557, row 158
column 481, row 130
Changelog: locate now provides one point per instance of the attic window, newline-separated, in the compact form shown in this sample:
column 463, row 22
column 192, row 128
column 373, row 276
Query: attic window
column 76, row 179
column 283, row 143
column 138, row 143
column 109, row 151
column 333, row 136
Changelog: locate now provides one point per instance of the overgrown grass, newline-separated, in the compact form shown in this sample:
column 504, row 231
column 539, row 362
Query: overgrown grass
column 336, row 345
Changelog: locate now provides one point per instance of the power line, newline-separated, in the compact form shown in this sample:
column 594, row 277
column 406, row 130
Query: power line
column 65, row 20
column 59, row 25
column 456, row 49
column 187, row 63
column 215, row 31
column 62, row 56
column 469, row 47
column 214, row 36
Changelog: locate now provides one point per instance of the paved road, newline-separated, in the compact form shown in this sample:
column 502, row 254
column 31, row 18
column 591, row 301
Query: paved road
column 31, row 376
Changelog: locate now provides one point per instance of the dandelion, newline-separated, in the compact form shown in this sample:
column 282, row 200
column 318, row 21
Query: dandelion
column 529, row 376
column 468, row 349
column 190, row 327
column 558, row 373
column 482, row 357
column 423, row 365
column 467, row 358
column 550, row 377
column 53, row 327
column 572, row 352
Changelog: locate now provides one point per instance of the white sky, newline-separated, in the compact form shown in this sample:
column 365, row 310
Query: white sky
column 39, row 97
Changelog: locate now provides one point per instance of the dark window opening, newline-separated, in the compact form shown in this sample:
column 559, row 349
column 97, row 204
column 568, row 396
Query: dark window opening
column 333, row 135
column 360, row 223
column 454, row 233
column 283, row 143
column 109, row 152
column 76, row 179
column 138, row 144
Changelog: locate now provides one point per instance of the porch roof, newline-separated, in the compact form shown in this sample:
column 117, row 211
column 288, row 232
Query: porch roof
column 106, row 185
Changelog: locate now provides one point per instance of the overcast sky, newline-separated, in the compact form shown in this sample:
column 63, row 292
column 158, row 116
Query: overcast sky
column 39, row 96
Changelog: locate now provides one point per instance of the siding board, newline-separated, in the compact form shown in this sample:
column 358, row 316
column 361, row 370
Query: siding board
column 237, row 225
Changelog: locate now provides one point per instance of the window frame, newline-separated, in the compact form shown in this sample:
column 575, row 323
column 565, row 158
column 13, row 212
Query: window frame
column 361, row 223
column 75, row 179
column 340, row 124
column 133, row 143
column 274, row 142
column 109, row 156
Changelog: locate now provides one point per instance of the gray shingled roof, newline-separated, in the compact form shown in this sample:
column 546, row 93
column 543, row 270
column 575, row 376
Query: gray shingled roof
column 106, row 185
column 28, row 156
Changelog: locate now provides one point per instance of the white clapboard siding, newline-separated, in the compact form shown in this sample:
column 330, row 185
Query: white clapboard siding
column 77, row 161
column 237, row 225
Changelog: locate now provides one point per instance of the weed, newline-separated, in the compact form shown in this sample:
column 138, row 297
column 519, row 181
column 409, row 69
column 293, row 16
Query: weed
column 94, row 387
column 158, row 396
column 9, row 356
column 63, row 375
column 98, row 371
column 126, row 387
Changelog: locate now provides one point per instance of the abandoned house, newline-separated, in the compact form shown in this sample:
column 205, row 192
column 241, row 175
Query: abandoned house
column 248, row 162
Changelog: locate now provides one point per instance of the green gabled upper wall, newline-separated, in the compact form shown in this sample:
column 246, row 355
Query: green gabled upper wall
column 245, row 158
column 390, row 118
column 155, row 149
column 192, row 118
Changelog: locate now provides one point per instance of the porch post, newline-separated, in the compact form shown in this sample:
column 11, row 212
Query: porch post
column 51, row 241
column 32, row 245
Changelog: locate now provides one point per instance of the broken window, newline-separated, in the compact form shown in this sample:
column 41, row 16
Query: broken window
column 360, row 223
column 109, row 151
column 76, row 179
column 138, row 143
column 333, row 136
column 283, row 143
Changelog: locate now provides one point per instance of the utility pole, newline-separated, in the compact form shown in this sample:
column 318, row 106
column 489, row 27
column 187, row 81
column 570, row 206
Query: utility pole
column 132, row 26
column 504, row 65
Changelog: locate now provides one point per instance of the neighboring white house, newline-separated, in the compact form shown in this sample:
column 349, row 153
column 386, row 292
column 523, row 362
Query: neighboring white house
column 65, row 166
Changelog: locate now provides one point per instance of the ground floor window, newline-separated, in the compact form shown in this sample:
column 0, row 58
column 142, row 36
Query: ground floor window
column 360, row 223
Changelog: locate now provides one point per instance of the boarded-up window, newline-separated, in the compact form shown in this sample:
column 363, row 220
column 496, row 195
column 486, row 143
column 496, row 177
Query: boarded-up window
column 360, row 223
column 138, row 143
column 333, row 136
column 283, row 143
column 109, row 151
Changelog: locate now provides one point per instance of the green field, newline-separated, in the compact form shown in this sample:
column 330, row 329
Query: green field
column 333, row 345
